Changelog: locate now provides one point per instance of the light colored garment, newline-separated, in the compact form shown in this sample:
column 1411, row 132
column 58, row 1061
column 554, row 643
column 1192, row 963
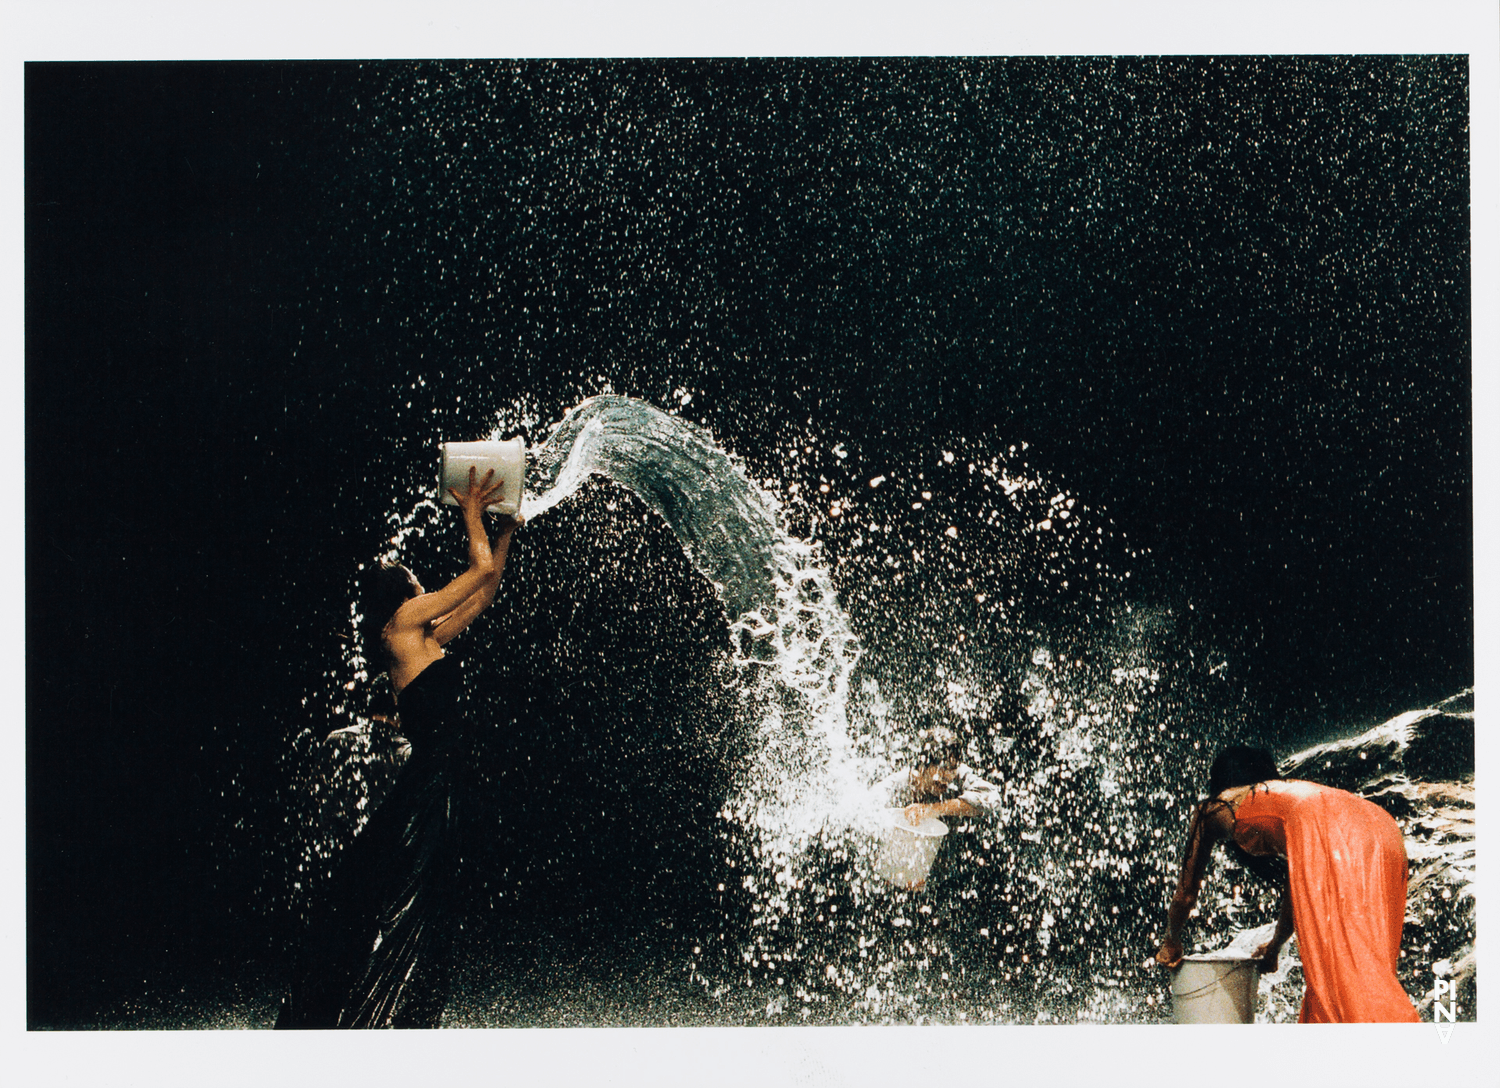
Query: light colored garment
column 895, row 790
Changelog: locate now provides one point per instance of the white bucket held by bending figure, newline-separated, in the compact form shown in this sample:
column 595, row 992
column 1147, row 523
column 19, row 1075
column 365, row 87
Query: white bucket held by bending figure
column 507, row 458
column 907, row 851
column 1214, row 990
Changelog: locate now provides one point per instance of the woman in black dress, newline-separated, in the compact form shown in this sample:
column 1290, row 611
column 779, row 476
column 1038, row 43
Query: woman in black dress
column 376, row 950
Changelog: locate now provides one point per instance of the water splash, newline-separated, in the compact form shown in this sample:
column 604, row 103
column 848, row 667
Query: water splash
column 1094, row 726
column 1086, row 784
column 792, row 640
column 726, row 525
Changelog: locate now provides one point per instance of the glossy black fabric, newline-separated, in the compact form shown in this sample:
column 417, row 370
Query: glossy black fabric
column 376, row 950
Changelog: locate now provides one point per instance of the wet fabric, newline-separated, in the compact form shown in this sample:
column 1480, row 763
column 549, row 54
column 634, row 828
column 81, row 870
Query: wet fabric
column 376, row 949
column 896, row 790
column 1346, row 860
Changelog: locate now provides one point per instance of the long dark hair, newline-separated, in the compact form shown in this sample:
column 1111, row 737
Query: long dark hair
column 383, row 588
column 1241, row 766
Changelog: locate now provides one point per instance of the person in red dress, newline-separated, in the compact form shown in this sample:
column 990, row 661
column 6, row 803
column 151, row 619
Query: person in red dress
column 1346, row 884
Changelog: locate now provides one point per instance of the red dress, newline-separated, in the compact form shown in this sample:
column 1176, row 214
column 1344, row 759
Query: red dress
column 1347, row 863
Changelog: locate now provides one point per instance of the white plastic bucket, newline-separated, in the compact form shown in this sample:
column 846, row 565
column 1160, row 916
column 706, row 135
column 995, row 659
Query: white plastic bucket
column 1214, row 990
column 507, row 458
column 907, row 852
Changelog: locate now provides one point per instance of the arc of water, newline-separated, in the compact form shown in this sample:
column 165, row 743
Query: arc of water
column 726, row 525
column 775, row 588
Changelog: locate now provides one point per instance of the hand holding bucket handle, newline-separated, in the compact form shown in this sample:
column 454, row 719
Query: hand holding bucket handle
column 1170, row 953
column 1265, row 956
column 916, row 813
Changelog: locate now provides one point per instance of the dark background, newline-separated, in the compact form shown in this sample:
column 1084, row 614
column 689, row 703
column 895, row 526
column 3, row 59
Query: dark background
column 1225, row 300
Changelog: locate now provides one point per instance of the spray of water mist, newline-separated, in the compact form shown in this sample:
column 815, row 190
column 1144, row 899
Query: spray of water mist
column 1056, row 890
column 800, row 822
column 792, row 642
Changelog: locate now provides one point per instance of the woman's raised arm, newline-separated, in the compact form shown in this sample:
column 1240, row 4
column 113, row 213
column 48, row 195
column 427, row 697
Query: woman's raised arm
column 454, row 622
column 422, row 610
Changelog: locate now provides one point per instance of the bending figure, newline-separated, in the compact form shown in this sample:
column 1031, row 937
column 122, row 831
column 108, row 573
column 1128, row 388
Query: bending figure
column 937, row 784
column 1345, row 896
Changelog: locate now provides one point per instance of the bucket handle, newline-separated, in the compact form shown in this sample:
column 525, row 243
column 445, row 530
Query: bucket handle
column 1215, row 982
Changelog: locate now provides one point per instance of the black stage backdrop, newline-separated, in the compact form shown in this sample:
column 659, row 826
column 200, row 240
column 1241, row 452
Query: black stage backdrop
column 1224, row 300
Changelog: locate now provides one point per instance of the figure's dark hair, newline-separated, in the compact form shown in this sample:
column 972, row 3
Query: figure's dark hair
column 1240, row 766
column 383, row 588
column 937, row 741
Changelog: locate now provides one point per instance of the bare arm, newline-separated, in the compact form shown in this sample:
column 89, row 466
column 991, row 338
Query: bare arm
column 1285, row 927
column 454, row 622
column 416, row 613
column 1202, row 834
column 954, row 806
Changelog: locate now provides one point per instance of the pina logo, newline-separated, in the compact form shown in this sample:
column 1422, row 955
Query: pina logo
column 1440, row 1011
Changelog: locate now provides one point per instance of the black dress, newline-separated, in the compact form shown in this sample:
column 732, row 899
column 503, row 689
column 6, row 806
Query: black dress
column 376, row 949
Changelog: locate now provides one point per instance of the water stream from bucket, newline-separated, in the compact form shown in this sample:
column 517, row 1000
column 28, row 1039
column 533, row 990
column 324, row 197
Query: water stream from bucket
column 801, row 817
column 1041, row 907
column 787, row 626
